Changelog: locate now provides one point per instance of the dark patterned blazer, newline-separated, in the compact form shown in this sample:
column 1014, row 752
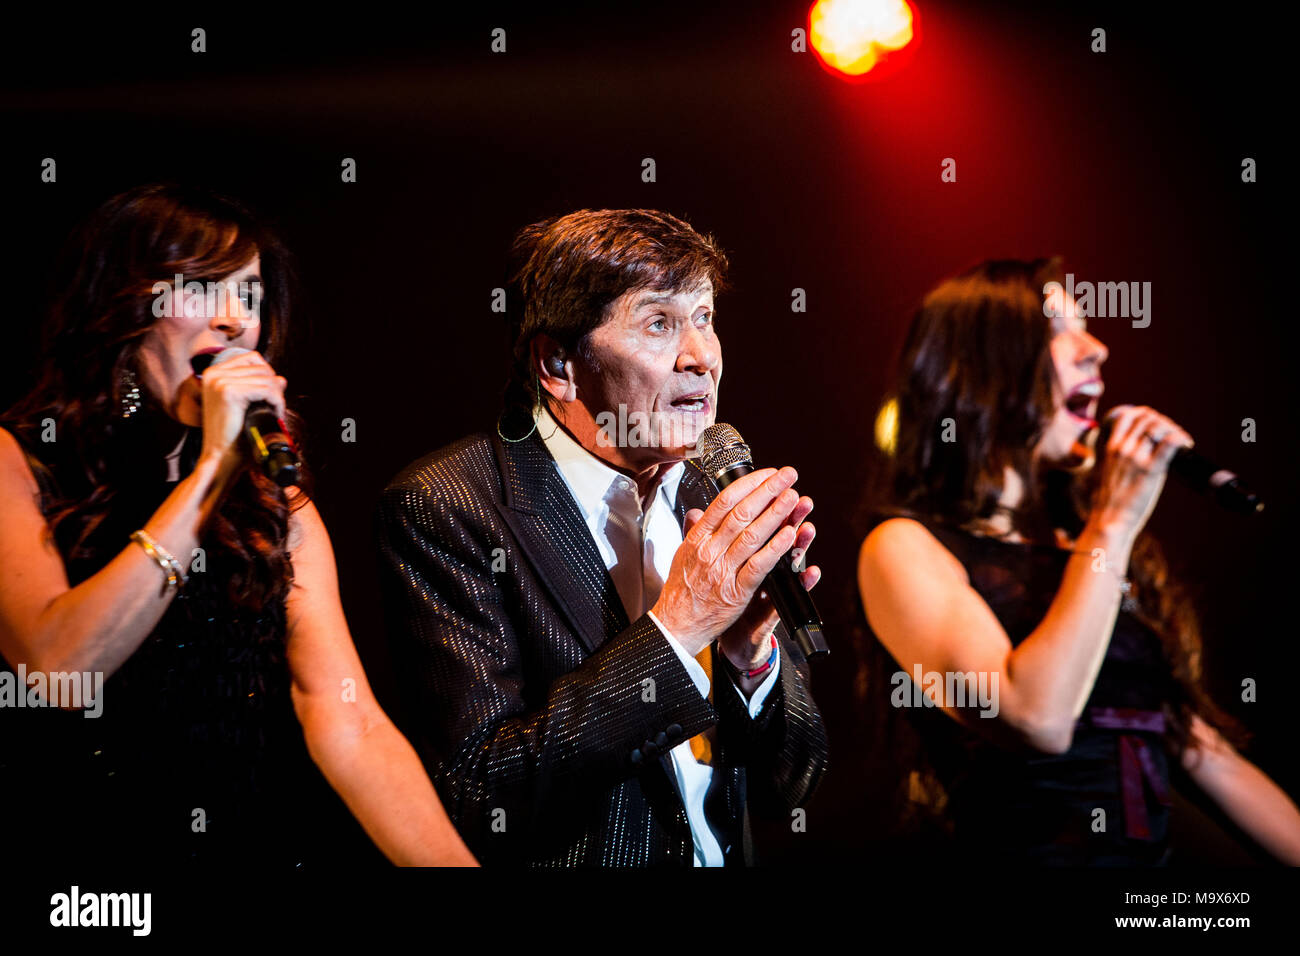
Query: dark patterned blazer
column 544, row 716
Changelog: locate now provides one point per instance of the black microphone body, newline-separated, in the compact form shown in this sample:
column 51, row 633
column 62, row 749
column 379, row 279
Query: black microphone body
column 729, row 462
column 266, row 440
column 1198, row 473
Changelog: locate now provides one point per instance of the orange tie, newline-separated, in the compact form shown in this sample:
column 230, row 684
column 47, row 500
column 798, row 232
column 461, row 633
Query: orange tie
column 702, row 743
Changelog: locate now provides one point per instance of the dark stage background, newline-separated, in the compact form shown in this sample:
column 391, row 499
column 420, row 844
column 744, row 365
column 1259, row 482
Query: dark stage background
column 1127, row 163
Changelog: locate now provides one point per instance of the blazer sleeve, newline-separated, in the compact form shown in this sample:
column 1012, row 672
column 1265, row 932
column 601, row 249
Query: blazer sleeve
column 784, row 748
column 506, row 757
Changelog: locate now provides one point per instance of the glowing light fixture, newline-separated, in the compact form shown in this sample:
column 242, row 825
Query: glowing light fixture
column 853, row 37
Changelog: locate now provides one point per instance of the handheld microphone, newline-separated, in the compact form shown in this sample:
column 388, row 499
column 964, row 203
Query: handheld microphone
column 1201, row 475
column 266, row 438
column 725, row 457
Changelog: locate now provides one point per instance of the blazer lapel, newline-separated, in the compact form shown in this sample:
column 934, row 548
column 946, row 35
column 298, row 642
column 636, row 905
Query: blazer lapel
column 551, row 531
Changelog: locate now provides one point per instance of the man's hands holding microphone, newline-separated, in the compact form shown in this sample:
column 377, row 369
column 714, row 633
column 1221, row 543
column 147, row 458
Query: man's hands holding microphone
column 714, row 586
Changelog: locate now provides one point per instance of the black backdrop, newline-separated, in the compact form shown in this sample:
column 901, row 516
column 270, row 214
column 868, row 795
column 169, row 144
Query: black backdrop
column 1127, row 163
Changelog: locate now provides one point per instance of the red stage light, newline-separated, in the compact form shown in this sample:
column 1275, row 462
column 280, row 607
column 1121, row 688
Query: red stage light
column 853, row 37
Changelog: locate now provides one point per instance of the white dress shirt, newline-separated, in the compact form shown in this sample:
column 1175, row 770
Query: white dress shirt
column 611, row 505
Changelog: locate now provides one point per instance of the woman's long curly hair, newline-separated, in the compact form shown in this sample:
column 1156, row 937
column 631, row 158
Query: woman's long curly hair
column 976, row 362
column 96, row 326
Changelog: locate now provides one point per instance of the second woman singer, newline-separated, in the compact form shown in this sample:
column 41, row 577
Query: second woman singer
column 1001, row 549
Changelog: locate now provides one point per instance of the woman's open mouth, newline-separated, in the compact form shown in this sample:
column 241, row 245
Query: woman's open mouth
column 1083, row 400
column 198, row 375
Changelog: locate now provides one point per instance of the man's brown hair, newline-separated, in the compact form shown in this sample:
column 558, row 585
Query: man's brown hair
column 568, row 271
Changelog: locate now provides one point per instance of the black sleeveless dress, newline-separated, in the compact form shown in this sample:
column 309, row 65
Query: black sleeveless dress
column 1103, row 802
column 197, row 754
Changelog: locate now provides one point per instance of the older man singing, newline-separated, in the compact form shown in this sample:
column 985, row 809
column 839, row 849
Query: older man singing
column 593, row 674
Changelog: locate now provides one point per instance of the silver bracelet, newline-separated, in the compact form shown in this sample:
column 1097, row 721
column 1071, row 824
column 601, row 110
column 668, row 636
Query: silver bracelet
column 1127, row 601
column 176, row 577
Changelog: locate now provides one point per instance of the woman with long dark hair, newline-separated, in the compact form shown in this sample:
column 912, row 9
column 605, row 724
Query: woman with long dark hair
column 169, row 615
column 1048, row 665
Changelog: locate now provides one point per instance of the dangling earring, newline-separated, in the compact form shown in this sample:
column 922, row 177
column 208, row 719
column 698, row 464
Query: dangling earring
column 128, row 389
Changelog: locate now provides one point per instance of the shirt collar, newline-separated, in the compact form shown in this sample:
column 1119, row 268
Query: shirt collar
column 588, row 477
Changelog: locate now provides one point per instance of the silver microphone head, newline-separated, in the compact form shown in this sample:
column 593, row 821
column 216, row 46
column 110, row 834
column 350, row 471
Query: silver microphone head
column 201, row 363
column 721, row 447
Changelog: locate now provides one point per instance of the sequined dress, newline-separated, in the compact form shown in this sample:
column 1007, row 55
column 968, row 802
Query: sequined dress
column 197, row 754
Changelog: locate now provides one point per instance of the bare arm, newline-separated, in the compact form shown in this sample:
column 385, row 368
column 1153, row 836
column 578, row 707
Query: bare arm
column 98, row 624
column 1244, row 792
column 357, row 747
column 920, row 604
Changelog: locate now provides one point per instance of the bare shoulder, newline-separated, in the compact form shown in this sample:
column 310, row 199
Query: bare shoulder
column 15, row 471
column 315, row 575
column 904, row 544
column 306, row 529
column 898, row 532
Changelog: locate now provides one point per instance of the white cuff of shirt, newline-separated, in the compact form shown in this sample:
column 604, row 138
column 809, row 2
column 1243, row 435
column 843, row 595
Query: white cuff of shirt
column 690, row 663
column 701, row 679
